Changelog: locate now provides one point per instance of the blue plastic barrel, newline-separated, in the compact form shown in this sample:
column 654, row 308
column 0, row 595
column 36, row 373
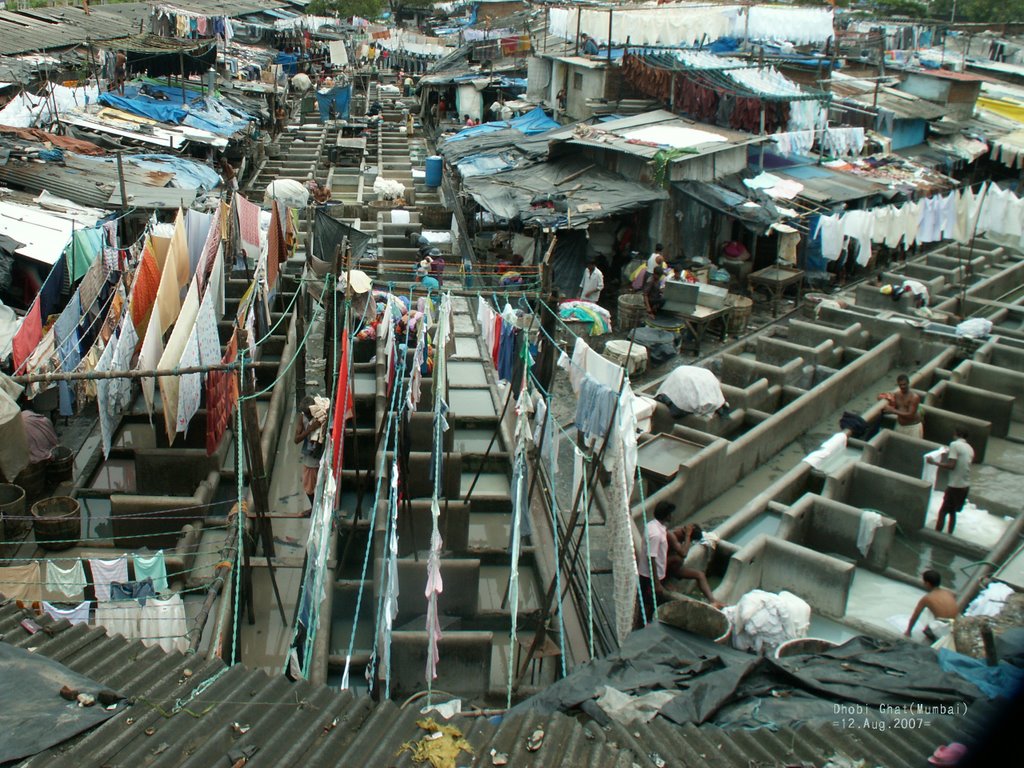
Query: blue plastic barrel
column 434, row 170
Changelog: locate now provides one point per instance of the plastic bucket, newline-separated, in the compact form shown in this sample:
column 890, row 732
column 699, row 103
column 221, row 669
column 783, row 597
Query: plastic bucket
column 61, row 466
column 13, row 521
column 802, row 645
column 57, row 522
column 696, row 617
column 632, row 311
column 434, row 168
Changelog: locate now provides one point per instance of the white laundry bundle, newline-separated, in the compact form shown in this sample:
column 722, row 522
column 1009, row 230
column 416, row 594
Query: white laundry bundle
column 762, row 621
column 388, row 189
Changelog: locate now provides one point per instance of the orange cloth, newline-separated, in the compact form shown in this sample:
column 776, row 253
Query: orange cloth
column 147, row 282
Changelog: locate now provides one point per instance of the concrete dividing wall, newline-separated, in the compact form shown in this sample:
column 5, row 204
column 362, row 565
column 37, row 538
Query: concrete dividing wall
column 461, row 595
column 810, row 334
column 999, row 284
column 977, row 403
column 780, row 351
column 1003, row 355
column 465, row 660
column 864, row 486
column 897, row 452
column 773, row 565
column 939, row 425
column 741, row 371
column 992, row 378
column 162, row 515
column 415, row 525
column 826, row 525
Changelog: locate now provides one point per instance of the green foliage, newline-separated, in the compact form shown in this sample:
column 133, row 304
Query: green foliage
column 979, row 10
column 909, row 8
column 367, row 9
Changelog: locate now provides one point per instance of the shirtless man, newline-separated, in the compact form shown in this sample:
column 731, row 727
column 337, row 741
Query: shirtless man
column 941, row 602
column 905, row 404
column 679, row 541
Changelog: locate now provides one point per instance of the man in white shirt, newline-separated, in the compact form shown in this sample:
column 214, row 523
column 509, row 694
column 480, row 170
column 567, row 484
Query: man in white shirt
column 958, row 461
column 656, row 259
column 592, row 283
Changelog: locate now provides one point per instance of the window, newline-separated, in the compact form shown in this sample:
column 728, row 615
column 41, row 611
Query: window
column 577, row 81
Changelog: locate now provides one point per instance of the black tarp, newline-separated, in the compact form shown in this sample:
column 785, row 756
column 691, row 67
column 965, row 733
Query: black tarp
column 568, row 261
column 757, row 216
column 196, row 60
column 726, row 687
column 566, row 194
column 328, row 234
column 33, row 716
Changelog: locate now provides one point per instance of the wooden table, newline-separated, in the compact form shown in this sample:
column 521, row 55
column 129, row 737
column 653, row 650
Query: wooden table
column 696, row 322
column 774, row 281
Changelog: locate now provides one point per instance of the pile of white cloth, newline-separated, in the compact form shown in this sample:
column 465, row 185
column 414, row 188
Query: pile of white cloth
column 991, row 600
column 762, row 621
column 693, row 389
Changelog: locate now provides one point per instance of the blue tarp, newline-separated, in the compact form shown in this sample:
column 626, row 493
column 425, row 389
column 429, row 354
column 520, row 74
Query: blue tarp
column 200, row 113
column 154, row 110
column 1003, row 681
column 188, row 174
column 533, row 122
column 288, row 62
column 340, row 97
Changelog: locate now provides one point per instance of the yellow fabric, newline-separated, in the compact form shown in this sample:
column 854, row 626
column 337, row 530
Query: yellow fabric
column 22, row 582
column 168, row 301
column 160, row 246
column 441, row 751
column 1010, row 108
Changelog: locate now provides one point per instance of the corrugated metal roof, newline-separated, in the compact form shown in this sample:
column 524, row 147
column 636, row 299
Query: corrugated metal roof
column 290, row 723
column 41, row 29
column 310, row 726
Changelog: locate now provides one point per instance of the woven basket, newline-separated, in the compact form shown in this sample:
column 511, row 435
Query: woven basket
column 57, row 522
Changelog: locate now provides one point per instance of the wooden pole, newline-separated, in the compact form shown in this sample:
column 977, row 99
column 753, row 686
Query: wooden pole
column 120, row 181
column 45, row 378
column 181, row 66
column 260, row 487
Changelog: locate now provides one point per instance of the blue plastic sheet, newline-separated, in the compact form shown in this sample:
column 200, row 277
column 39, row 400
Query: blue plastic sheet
column 533, row 122
column 340, row 97
column 288, row 62
column 188, row 174
column 154, row 110
column 1002, row 681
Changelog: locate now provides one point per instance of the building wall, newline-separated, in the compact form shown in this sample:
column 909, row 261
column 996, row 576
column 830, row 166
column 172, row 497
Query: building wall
column 710, row 167
column 907, row 133
column 930, row 88
column 580, row 85
column 539, row 82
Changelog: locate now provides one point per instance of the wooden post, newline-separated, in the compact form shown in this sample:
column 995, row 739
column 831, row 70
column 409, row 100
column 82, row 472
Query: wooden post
column 120, row 181
column 181, row 66
column 260, row 487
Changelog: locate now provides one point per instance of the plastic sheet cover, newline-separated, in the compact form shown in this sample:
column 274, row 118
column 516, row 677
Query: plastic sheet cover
column 726, row 687
column 33, row 716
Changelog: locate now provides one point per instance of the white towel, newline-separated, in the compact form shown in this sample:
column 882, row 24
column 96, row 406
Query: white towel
column 869, row 523
column 826, row 450
column 930, row 471
column 399, row 216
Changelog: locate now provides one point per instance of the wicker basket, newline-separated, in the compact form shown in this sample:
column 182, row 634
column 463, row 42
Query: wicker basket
column 57, row 522
column 13, row 522
column 632, row 311
column 739, row 317
column 61, row 466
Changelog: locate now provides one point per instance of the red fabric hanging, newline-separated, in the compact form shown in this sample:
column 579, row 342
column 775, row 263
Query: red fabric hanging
column 343, row 409
column 28, row 336
column 221, row 398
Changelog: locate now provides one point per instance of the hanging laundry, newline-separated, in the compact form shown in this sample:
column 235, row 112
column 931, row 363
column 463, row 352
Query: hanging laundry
column 139, row 590
column 120, row 390
column 82, row 252
column 28, row 335
column 197, row 229
column 342, row 413
column 248, row 228
column 209, row 249
column 857, row 226
column 171, row 359
column 843, row 141
column 119, row 618
column 432, row 591
column 65, row 584
column 66, row 331
column 21, row 582
column 207, row 336
column 162, row 622
column 152, row 567
column 168, row 297
column 178, row 250
column 221, row 397
column 106, row 571
column 149, row 359
column 144, row 288
column 830, row 230
column 77, row 615
column 104, row 401
column 190, row 385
